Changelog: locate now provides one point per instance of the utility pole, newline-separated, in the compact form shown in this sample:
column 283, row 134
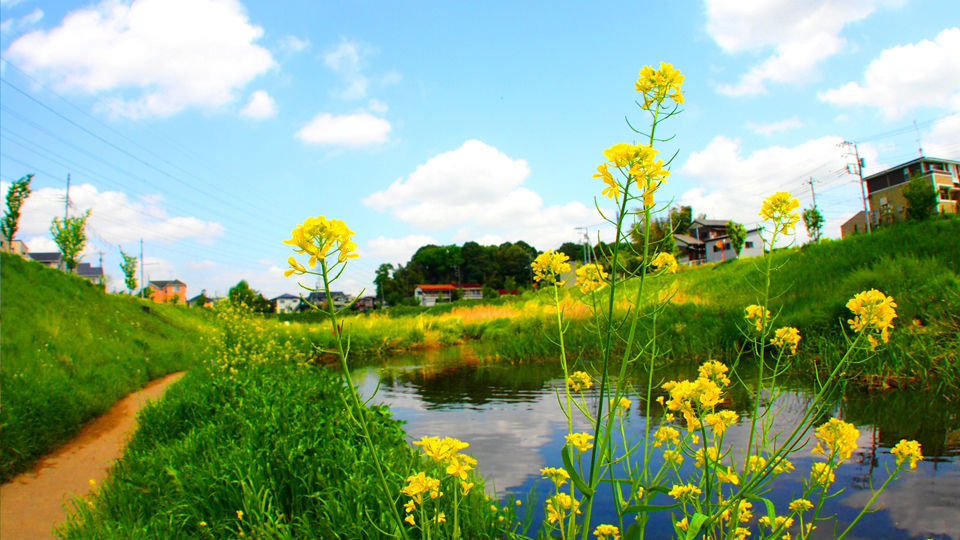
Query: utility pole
column 919, row 144
column 66, row 201
column 863, row 189
column 812, row 192
column 142, row 286
column 586, row 244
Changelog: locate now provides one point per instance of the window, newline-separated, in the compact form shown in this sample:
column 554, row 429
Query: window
column 748, row 244
column 944, row 194
column 940, row 167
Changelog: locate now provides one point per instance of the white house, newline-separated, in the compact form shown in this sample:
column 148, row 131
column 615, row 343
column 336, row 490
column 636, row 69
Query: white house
column 286, row 303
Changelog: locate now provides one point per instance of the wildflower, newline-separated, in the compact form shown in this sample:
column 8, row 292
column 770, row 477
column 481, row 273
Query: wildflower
column 715, row 371
column 779, row 522
column 756, row 463
column 440, row 518
column 518, row 503
column 419, row 484
column 783, row 466
column 579, row 380
column 673, row 456
column 558, row 476
column 822, row 474
column 590, row 277
column 743, row 512
column 295, row 267
column 622, row 406
column 787, row 336
column 410, row 506
column 720, row 421
column 800, row 505
column 686, row 491
column 624, row 154
column 202, row 523
column 758, row 315
column 441, row 449
column 728, row 476
column 907, row 450
column 409, row 519
column 549, row 265
column 657, row 85
column 612, row 191
column 607, row 532
column 466, row 486
column 711, row 454
column 460, row 465
column 318, row 236
column 581, row 441
column 837, row 438
column 559, row 504
column 664, row 434
column 779, row 208
column 872, row 310
column 665, row 261
column 682, row 524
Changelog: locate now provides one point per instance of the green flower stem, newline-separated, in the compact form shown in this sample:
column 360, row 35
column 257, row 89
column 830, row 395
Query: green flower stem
column 388, row 496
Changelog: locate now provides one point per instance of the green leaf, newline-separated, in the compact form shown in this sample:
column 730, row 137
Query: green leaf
column 574, row 473
column 632, row 532
column 771, row 510
column 695, row 523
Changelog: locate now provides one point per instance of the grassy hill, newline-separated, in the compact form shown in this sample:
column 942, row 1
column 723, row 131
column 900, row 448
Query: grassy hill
column 70, row 350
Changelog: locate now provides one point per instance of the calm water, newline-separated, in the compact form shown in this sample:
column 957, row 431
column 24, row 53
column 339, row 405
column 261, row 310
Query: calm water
column 510, row 417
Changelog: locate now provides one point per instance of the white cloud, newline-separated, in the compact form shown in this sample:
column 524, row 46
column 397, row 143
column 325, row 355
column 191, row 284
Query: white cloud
column 377, row 106
column 732, row 186
column 294, row 44
column 149, row 58
column 801, row 34
column 9, row 3
column 774, row 127
column 260, row 106
column 346, row 59
column 348, row 129
column 943, row 139
column 479, row 189
column 397, row 250
column 11, row 25
column 907, row 76
column 155, row 268
column 113, row 217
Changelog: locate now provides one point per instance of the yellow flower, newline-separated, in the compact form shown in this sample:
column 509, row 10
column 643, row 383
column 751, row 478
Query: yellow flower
column 549, row 265
column 822, row 474
column 419, row 484
column 622, row 154
column 581, row 441
column 409, row 519
column 558, row 476
column 711, row 455
column 441, row 449
column 658, row 85
column 410, row 506
column 673, row 456
column 786, row 336
column 800, row 505
column 686, row 491
column 720, row 421
column 202, row 523
column 778, row 522
column 874, row 311
column 837, row 438
column 758, row 315
column 441, row 518
column 715, row 371
column 756, row 463
column 518, row 502
column 579, row 380
column 240, row 515
column 460, row 465
column 682, row 524
column 590, row 277
column 664, row 434
column 728, row 476
column 317, row 236
column 622, row 406
column 665, row 261
column 295, row 267
column 559, row 504
column 466, row 486
column 612, row 190
column 607, row 532
column 907, row 450
column 778, row 208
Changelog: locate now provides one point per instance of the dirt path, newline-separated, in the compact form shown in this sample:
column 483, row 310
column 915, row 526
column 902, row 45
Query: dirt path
column 33, row 502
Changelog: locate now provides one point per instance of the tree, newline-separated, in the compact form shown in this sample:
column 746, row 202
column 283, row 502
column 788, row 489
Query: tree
column 18, row 192
column 129, row 267
column 382, row 278
column 574, row 251
column 242, row 294
column 70, row 236
column 813, row 220
column 737, row 234
column 921, row 198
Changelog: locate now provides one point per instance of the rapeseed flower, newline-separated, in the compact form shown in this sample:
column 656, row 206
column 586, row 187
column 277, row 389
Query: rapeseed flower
column 295, row 267
column 778, row 522
column 673, row 456
column 905, row 450
column 612, row 190
column 800, row 505
column 779, row 208
column 685, row 491
column 621, row 406
column 786, row 336
column 720, row 421
column 419, row 484
column 590, row 277
column 460, row 465
column 549, row 265
column 759, row 316
column 837, row 438
column 715, row 371
column 664, row 261
column 319, row 236
column 581, row 441
column 657, row 85
column 728, row 476
column 666, row 434
column 822, row 474
column 607, row 532
column 559, row 505
column 579, row 380
column 874, row 311
column 711, row 454
column 441, row 450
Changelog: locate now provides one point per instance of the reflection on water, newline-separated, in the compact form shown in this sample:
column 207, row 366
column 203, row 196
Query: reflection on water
column 509, row 415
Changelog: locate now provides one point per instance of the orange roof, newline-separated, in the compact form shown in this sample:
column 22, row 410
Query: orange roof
column 444, row 287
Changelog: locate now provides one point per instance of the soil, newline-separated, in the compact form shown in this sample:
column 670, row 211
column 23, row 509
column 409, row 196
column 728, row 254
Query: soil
column 35, row 501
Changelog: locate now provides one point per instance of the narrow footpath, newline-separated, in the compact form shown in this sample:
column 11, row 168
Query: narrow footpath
column 35, row 501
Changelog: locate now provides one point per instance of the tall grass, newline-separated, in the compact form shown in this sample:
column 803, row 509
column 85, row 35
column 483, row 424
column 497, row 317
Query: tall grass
column 69, row 351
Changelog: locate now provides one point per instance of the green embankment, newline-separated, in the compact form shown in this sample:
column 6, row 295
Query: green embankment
column 69, row 351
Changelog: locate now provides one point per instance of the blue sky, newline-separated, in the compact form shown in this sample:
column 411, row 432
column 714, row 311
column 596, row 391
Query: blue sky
column 211, row 128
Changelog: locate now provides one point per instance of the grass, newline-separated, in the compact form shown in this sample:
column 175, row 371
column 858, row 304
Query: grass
column 70, row 351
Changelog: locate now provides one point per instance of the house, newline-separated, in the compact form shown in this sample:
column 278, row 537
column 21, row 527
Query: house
column 708, row 241
column 366, row 303
column 319, row 299
column 885, row 191
column 472, row 291
column 92, row 273
column 429, row 295
column 202, row 300
column 49, row 259
column 168, row 291
column 16, row 247
column 286, row 303
column 85, row 270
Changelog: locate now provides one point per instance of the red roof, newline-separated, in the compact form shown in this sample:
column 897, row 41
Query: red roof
column 445, row 287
